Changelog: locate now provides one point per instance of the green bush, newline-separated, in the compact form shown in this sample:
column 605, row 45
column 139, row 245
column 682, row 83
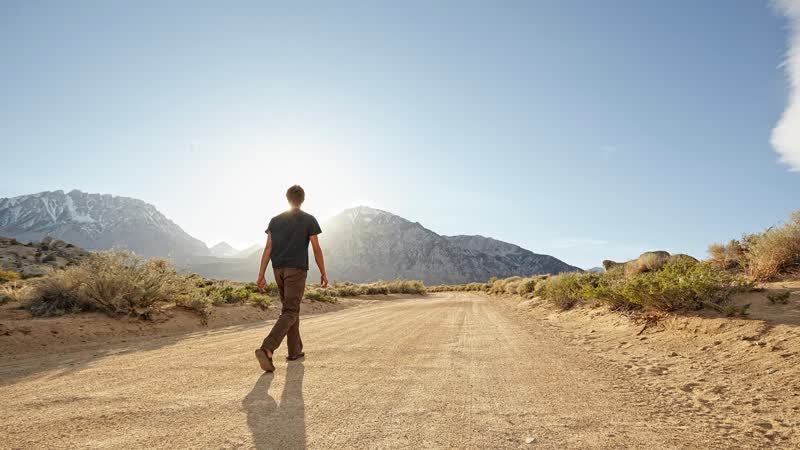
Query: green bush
column 319, row 296
column 679, row 285
column 781, row 298
column 567, row 289
column 199, row 304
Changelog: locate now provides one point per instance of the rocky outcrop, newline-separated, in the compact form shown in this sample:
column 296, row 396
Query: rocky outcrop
column 37, row 258
column 646, row 262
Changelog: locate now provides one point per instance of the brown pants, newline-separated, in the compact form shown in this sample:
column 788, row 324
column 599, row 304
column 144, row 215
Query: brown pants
column 291, row 285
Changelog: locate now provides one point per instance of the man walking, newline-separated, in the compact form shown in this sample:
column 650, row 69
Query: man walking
column 288, row 235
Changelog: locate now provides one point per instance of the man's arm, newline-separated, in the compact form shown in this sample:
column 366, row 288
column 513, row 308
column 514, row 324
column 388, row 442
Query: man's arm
column 262, row 282
column 320, row 260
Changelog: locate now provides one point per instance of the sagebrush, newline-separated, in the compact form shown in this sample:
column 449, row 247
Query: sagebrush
column 762, row 256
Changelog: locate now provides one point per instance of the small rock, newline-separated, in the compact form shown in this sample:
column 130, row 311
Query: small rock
column 673, row 354
column 764, row 424
column 717, row 342
column 529, row 440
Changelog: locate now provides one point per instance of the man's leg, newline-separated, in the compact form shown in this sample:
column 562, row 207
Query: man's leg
column 295, row 285
column 286, row 280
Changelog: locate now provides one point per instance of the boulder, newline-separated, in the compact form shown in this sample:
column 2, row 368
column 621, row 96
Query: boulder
column 646, row 262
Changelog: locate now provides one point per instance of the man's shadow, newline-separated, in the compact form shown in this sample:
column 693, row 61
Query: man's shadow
column 273, row 425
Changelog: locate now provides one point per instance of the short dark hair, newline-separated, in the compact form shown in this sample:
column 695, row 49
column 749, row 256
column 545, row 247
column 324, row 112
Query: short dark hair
column 296, row 195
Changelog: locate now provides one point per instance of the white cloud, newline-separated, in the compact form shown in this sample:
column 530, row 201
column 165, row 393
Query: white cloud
column 786, row 134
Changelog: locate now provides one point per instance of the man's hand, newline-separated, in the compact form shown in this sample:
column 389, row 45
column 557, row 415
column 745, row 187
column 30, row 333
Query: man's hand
column 323, row 280
column 262, row 284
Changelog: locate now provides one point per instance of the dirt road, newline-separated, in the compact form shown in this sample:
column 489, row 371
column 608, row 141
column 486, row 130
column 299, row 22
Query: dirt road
column 444, row 371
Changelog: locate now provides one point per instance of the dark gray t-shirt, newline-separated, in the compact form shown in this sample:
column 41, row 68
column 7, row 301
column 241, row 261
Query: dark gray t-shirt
column 291, row 232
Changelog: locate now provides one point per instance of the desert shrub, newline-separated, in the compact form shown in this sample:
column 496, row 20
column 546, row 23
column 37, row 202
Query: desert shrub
column 607, row 288
column 199, row 304
column 406, row 287
column 683, row 285
column 261, row 301
column 319, row 296
column 348, row 289
column 13, row 292
column 680, row 284
column 505, row 285
column 58, row 293
column 727, row 256
column 115, row 282
column 526, row 286
column 566, row 289
column 119, row 282
column 781, row 298
column 8, row 275
column 473, row 287
column 775, row 251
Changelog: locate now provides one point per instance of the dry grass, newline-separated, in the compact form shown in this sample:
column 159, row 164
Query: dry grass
column 762, row 256
column 348, row 289
column 473, row 287
column 775, row 251
column 121, row 283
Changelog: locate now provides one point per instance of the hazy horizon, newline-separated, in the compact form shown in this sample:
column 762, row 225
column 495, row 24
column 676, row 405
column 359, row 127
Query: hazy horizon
column 583, row 131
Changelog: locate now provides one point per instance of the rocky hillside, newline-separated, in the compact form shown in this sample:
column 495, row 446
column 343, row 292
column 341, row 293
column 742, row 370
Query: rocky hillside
column 365, row 244
column 368, row 244
column 36, row 258
column 96, row 221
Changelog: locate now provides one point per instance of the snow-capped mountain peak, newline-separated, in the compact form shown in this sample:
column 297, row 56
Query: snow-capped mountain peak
column 95, row 221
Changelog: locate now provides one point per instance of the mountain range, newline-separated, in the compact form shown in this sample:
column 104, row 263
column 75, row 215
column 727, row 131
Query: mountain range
column 95, row 222
column 361, row 244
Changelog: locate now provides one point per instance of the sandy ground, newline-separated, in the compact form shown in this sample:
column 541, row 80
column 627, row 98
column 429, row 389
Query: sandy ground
column 451, row 370
column 22, row 334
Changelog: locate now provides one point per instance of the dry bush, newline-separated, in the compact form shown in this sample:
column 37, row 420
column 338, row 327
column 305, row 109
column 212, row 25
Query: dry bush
column 347, row 289
column 115, row 282
column 775, row 251
column 119, row 282
column 469, row 287
column 505, row 285
column 728, row 256
column 57, row 293
column 8, row 275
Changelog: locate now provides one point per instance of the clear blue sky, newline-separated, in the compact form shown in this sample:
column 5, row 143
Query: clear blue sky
column 586, row 130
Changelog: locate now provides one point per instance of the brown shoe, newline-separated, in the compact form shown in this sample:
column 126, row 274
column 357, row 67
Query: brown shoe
column 264, row 361
column 297, row 356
